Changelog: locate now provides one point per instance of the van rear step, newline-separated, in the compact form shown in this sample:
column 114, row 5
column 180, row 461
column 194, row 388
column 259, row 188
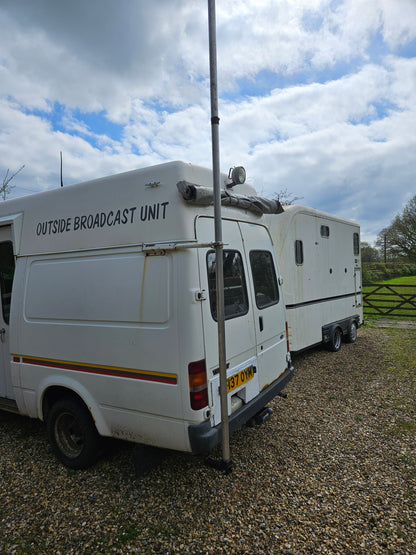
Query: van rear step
column 260, row 418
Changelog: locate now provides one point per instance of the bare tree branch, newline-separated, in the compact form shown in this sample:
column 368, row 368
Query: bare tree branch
column 6, row 188
column 285, row 198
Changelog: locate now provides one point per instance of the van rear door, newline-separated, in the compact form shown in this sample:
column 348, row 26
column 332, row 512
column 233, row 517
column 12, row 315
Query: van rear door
column 255, row 330
column 267, row 302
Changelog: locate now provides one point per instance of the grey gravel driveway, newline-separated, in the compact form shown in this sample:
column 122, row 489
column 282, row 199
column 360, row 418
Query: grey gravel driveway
column 332, row 471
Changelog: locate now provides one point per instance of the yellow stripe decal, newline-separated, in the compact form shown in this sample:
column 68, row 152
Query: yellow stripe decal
column 146, row 375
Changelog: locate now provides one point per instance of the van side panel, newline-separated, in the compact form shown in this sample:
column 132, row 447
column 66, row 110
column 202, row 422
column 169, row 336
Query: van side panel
column 74, row 304
column 119, row 288
column 108, row 326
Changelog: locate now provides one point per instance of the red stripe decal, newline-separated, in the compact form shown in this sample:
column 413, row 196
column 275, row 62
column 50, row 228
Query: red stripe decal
column 116, row 372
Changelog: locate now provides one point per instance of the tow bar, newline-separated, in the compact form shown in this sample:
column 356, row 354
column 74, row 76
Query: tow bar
column 260, row 418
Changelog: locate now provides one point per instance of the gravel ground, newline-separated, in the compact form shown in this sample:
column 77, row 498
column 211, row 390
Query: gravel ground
column 332, row 471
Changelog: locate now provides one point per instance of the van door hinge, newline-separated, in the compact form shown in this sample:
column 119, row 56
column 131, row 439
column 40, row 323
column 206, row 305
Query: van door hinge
column 200, row 295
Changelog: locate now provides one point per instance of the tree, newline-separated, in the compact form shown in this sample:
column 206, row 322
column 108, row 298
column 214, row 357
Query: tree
column 285, row 198
column 369, row 253
column 398, row 240
column 6, row 188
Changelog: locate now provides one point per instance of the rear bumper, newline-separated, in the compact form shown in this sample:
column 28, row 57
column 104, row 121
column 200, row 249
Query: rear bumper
column 203, row 437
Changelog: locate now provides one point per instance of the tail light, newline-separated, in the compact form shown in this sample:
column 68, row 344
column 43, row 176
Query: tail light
column 287, row 338
column 198, row 386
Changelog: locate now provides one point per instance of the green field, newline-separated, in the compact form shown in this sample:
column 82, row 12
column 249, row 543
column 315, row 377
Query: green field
column 396, row 300
column 407, row 280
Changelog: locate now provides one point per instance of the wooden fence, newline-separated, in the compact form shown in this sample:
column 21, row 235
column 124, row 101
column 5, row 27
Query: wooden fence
column 389, row 300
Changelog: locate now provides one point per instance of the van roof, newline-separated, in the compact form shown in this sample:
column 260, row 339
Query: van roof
column 293, row 209
column 129, row 208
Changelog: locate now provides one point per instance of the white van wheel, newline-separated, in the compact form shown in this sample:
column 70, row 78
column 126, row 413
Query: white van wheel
column 72, row 433
column 336, row 340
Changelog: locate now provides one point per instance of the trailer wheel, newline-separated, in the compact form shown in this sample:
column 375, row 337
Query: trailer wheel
column 335, row 340
column 352, row 332
column 72, row 433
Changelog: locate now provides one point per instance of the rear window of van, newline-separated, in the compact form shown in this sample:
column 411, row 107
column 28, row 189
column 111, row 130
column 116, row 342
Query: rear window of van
column 235, row 289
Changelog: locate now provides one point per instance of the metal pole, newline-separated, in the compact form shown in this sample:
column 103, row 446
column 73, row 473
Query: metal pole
column 215, row 121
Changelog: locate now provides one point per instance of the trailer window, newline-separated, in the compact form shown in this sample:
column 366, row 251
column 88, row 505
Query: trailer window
column 235, row 290
column 324, row 231
column 356, row 244
column 299, row 252
column 264, row 279
column 6, row 277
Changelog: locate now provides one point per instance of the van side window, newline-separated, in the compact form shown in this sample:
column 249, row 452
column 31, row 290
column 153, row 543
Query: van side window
column 299, row 252
column 264, row 279
column 235, row 290
column 6, row 277
column 356, row 244
column 324, row 231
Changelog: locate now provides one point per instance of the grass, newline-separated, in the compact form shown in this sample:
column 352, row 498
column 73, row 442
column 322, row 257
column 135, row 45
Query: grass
column 402, row 349
column 405, row 280
column 400, row 372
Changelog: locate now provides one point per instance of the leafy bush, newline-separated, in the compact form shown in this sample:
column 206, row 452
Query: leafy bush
column 374, row 272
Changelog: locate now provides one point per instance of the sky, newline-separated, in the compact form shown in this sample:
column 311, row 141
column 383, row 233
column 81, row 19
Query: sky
column 316, row 97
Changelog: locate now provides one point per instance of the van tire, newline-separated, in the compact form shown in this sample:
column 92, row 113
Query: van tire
column 72, row 434
column 335, row 340
column 352, row 332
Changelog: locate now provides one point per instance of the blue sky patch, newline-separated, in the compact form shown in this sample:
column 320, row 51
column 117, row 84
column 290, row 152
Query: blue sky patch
column 99, row 124
column 312, row 21
column 266, row 81
column 378, row 111
column 406, row 50
column 88, row 125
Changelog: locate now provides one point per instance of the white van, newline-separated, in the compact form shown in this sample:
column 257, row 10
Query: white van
column 108, row 312
column 319, row 258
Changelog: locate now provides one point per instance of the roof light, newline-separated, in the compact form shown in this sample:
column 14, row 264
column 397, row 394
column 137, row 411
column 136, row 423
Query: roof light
column 237, row 176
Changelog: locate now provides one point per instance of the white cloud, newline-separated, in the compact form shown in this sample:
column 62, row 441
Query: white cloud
column 399, row 21
column 334, row 148
column 315, row 96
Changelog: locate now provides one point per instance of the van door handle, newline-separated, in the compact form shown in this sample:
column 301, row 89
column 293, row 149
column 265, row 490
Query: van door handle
column 261, row 323
column 2, row 334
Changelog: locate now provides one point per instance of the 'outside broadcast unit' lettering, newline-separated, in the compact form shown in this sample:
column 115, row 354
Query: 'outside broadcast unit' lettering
column 123, row 216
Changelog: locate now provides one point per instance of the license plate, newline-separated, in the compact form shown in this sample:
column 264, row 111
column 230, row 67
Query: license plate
column 240, row 378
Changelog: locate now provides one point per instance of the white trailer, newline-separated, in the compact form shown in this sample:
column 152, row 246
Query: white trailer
column 319, row 259
column 108, row 311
